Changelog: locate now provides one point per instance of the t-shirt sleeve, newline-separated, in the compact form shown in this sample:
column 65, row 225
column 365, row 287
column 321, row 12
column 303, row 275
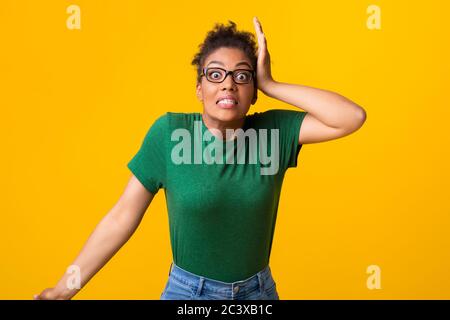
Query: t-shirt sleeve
column 289, row 123
column 149, row 163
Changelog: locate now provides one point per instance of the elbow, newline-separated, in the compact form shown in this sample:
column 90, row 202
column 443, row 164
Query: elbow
column 356, row 121
column 360, row 118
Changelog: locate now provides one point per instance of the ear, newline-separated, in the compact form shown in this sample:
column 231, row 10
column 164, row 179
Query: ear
column 199, row 92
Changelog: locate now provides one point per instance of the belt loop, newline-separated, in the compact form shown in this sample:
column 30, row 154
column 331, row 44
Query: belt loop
column 261, row 283
column 200, row 286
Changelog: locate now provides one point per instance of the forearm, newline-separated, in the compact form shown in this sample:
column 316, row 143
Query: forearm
column 107, row 238
column 329, row 107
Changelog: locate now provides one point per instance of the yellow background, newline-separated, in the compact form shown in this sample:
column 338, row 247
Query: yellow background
column 76, row 104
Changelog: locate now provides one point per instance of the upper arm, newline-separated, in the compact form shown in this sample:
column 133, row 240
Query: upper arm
column 313, row 130
column 133, row 202
column 149, row 164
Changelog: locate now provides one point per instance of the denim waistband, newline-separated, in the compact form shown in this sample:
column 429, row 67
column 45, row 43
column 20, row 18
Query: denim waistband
column 227, row 288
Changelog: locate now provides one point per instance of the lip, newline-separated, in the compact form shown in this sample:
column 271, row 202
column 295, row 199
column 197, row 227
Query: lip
column 227, row 97
column 228, row 105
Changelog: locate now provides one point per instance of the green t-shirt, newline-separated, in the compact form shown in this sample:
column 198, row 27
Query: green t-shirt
column 222, row 207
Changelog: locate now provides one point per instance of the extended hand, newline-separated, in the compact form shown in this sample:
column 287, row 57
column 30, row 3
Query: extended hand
column 52, row 294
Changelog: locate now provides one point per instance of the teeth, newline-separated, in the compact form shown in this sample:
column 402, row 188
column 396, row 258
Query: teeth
column 227, row 101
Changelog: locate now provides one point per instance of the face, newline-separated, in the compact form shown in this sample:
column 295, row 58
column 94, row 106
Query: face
column 210, row 93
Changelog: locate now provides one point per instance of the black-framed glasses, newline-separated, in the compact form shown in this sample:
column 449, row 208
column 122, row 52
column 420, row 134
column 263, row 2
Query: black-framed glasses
column 218, row 75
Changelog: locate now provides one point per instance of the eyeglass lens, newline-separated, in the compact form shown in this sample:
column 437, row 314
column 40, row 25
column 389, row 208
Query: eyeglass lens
column 218, row 75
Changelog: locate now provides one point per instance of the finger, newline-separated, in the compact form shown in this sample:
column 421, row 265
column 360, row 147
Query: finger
column 261, row 37
column 255, row 23
column 258, row 26
column 35, row 297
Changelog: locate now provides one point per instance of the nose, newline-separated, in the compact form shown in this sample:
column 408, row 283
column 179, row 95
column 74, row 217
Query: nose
column 228, row 83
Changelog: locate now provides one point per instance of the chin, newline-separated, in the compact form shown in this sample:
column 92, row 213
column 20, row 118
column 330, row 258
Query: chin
column 229, row 114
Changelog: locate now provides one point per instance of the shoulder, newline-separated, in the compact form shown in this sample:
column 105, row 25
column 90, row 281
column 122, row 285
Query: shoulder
column 276, row 118
column 180, row 119
column 174, row 119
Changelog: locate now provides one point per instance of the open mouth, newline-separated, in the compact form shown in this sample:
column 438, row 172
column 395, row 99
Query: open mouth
column 226, row 103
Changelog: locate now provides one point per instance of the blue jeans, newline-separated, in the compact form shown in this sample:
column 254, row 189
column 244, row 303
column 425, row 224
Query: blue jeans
column 184, row 285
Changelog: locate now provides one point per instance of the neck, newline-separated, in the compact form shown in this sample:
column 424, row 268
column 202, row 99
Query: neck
column 222, row 126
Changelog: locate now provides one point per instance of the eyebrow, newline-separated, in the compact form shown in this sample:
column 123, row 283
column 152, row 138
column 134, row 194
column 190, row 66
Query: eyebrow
column 237, row 64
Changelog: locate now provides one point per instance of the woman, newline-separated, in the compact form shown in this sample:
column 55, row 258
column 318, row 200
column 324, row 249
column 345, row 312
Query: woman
column 221, row 172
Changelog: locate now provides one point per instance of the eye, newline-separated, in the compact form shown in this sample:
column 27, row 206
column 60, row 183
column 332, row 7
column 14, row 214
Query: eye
column 215, row 74
column 242, row 76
